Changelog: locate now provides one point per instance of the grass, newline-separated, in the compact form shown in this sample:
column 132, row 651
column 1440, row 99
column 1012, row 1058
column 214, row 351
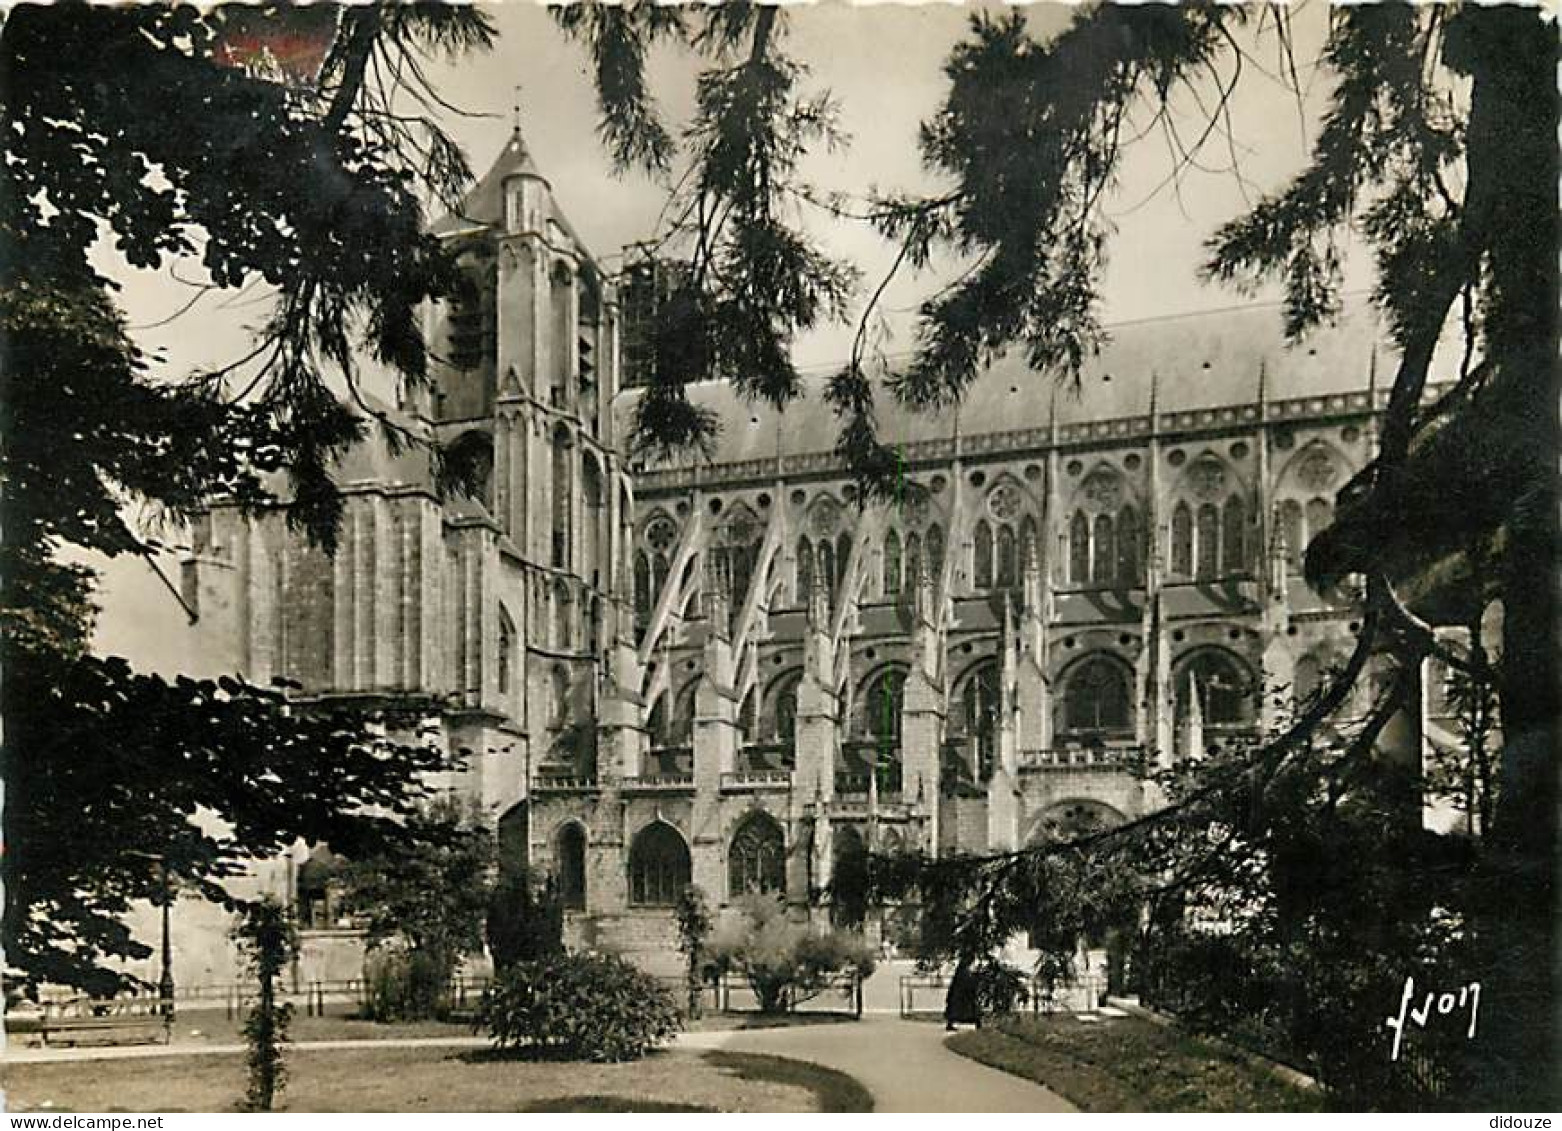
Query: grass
column 576, row 1104
column 1129, row 1064
column 432, row 1079
column 833, row 1091
column 723, row 1022
column 213, row 1027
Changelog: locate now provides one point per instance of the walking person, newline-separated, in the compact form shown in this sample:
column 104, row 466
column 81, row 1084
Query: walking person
column 961, row 1002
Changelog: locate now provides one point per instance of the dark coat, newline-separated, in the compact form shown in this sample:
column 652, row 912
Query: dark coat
column 962, row 1004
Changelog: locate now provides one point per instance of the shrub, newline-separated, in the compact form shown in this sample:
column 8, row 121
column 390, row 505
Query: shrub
column 427, row 893
column 579, row 1007
column 785, row 962
column 525, row 920
column 269, row 941
column 694, row 927
column 405, row 985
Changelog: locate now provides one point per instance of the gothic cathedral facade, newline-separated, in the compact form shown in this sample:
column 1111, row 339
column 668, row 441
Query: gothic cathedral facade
column 734, row 673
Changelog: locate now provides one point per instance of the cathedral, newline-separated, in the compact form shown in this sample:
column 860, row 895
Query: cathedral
column 735, row 672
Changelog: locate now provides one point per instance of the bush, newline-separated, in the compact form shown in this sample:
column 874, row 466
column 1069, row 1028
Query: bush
column 785, row 962
column 579, row 1007
column 405, row 985
column 525, row 919
column 269, row 940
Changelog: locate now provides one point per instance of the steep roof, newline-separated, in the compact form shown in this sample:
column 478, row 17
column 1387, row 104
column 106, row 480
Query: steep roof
column 483, row 206
column 1191, row 362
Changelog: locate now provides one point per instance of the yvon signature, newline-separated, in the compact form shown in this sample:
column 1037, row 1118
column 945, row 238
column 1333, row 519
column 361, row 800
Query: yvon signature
column 1468, row 995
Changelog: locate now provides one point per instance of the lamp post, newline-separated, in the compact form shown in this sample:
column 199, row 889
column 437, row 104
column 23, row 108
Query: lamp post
column 165, row 983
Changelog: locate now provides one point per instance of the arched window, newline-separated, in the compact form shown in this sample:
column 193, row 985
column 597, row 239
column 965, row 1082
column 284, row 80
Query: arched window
column 881, row 704
column 569, row 865
column 935, row 551
column 1224, row 688
column 1096, row 697
column 1030, row 546
column 1008, row 574
column 891, row 564
column 1291, row 528
column 979, row 704
column 1128, row 536
column 1182, row 541
column 913, row 569
column 591, row 519
column 658, row 866
column 1320, row 515
column 659, row 571
column 558, row 704
column 756, row 859
column 1103, row 552
column 1079, row 549
column 983, row 572
column 1207, row 540
column 642, row 587
column 506, row 657
column 561, row 498
column 786, row 713
column 682, row 732
column 827, row 566
column 805, row 569
column 1234, row 536
column 843, row 556
column 563, row 613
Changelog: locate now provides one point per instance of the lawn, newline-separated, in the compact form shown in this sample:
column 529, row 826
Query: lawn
column 431, row 1079
column 213, row 1027
column 1129, row 1064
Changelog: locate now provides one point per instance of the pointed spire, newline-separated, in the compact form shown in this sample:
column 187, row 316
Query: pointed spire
column 1194, row 747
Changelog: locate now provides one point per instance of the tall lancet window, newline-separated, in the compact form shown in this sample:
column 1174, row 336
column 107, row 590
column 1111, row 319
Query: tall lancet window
column 827, row 565
column 805, row 569
column 983, row 565
column 1207, row 540
column 1079, row 549
column 1128, row 535
column 562, row 532
column 913, row 570
column 1234, row 536
column 1182, row 541
column 1008, row 574
column 642, row 587
column 891, row 564
column 506, row 656
column 1291, row 528
column 935, row 552
column 1103, row 552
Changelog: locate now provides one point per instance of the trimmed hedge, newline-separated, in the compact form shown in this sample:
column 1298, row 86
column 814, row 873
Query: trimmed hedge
column 579, row 1007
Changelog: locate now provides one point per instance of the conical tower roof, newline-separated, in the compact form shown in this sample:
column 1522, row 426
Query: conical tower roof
column 484, row 204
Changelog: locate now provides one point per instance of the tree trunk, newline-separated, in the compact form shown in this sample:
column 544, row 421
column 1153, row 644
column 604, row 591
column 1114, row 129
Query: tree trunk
column 1513, row 62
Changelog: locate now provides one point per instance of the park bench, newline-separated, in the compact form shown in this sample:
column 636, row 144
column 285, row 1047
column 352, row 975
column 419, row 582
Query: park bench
column 121, row 1020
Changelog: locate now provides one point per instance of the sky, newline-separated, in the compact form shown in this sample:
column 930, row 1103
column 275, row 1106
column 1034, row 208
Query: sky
column 883, row 64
